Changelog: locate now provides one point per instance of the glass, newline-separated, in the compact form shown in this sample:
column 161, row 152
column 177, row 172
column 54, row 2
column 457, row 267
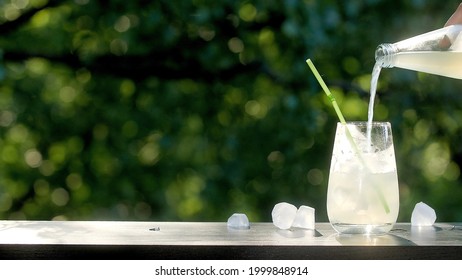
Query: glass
column 363, row 194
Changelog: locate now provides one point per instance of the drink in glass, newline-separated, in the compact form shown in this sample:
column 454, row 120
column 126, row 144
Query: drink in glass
column 363, row 194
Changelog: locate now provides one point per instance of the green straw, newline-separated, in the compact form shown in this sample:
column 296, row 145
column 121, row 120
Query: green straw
column 342, row 121
column 327, row 91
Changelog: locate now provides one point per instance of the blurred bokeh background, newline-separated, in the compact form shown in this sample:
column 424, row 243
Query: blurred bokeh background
column 177, row 110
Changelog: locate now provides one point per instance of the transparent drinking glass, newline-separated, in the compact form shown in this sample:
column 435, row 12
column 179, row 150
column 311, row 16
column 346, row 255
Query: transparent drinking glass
column 363, row 194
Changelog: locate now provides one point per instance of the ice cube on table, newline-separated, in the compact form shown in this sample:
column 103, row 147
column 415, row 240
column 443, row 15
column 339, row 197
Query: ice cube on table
column 238, row 221
column 304, row 218
column 283, row 215
column 423, row 215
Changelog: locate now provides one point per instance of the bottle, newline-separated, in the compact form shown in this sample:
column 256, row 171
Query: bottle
column 437, row 52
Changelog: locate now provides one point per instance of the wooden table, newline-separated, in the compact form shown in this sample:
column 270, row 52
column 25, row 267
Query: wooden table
column 182, row 240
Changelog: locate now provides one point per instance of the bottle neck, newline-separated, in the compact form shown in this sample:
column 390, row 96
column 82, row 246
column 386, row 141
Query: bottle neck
column 384, row 55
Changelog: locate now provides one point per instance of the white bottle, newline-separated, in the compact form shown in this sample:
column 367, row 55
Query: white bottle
column 437, row 52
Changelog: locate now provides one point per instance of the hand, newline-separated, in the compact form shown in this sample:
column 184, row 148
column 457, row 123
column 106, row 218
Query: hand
column 456, row 17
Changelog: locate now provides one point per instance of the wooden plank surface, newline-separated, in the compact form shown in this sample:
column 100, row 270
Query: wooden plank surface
column 75, row 239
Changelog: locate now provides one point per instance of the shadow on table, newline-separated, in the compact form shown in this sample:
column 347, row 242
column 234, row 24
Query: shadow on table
column 373, row 240
column 397, row 236
column 298, row 233
column 402, row 236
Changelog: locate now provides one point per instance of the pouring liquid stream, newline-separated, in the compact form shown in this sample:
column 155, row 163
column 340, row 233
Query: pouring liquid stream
column 374, row 80
column 370, row 114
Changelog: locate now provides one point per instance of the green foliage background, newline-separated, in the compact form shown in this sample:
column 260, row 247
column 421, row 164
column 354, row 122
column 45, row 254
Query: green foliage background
column 193, row 110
